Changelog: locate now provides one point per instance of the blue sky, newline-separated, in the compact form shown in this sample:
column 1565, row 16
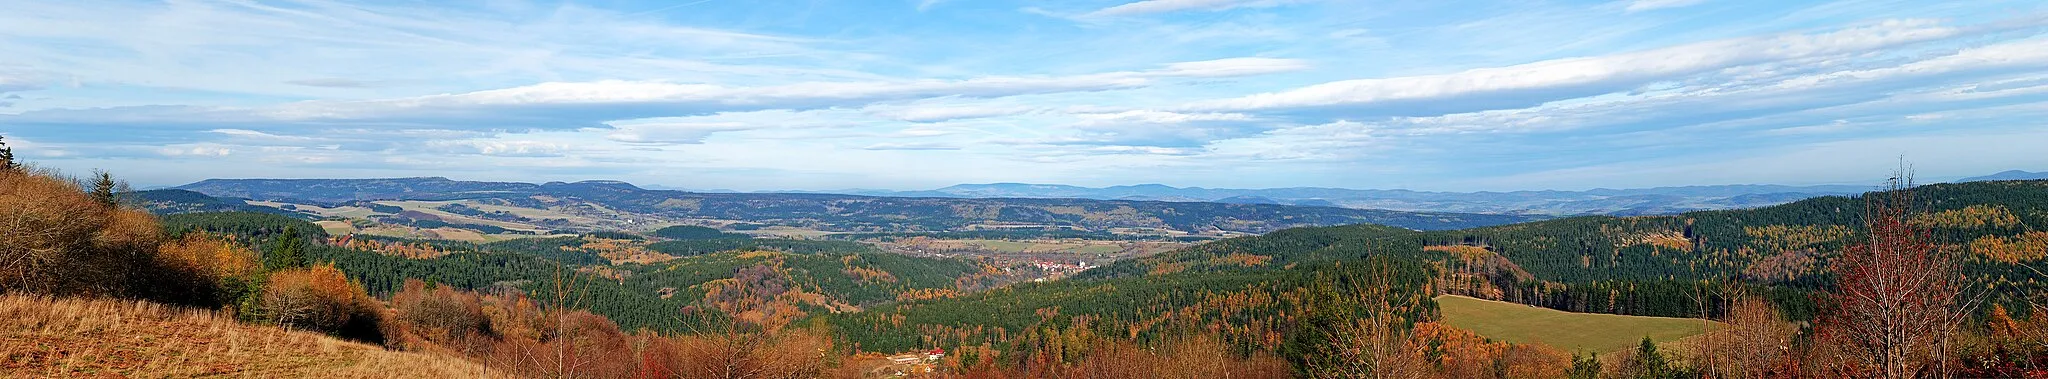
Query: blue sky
column 913, row 94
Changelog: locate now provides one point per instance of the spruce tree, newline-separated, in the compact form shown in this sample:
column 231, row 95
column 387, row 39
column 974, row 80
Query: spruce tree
column 288, row 251
column 1653, row 364
column 6, row 155
column 1587, row 367
column 103, row 186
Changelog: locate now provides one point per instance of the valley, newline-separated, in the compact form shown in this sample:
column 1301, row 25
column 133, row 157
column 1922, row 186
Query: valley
column 1029, row 189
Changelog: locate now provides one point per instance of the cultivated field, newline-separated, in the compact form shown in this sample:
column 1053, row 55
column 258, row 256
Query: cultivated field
column 1571, row 332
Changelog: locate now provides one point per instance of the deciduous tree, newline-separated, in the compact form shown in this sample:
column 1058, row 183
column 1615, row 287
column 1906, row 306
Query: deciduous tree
column 1898, row 298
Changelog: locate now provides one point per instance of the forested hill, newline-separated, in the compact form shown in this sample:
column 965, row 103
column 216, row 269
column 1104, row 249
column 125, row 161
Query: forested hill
column 1657, row 265
column 176, row 201
column 850, row 213
column 783, row 279
column 2001, row 225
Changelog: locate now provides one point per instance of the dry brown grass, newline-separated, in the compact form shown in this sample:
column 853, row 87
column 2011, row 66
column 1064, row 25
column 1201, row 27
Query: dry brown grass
column 65, row 337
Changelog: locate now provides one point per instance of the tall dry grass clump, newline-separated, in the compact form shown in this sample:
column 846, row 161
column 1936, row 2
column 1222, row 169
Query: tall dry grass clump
column 56, row 239
column 42, row 336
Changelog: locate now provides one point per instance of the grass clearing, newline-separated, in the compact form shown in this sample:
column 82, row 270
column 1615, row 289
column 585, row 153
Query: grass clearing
column 1571, row 332
column 336, row 227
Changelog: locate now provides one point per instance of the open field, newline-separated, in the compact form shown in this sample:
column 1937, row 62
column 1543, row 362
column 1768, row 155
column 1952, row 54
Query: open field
column 1571, row 332
column 336, row 227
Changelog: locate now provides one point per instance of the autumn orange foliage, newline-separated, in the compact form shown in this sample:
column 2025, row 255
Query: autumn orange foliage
column 322, row 298
column 55, row 239
column 1460, row 353
column 515, row 334
column 2026, row 247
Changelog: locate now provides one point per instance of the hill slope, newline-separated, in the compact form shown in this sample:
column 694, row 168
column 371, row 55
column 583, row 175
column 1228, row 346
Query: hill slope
column 47, row 337
column 175, row 201
column 1574, row 263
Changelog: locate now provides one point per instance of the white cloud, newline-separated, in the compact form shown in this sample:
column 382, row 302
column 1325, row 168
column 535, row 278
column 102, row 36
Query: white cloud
column 196, row 150
column 694, row 129
column 1158, row 117
column 925, row 113
column 17, row 82
column 309, row 48
column 1163, row 6
column 1544, row 81
column 504, row 148
column 570, row 105
column 1246, row 66
column 911, row 146
column 673, row 132
column 244, row 135
column 1644, row 5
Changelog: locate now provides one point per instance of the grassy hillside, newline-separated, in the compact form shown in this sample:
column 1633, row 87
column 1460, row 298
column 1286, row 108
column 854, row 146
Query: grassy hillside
column 48, row 337
column 1577, row 332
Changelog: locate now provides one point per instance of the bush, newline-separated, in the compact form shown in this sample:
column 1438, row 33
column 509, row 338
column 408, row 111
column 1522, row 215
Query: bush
column 55, row 239
column 576, row 344
column 203, row 270
column 442, row 315
column 321, row 298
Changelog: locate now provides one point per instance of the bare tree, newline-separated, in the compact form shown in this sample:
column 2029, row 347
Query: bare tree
column 1753, row 340
column 1379, row 345
column 1898, row 299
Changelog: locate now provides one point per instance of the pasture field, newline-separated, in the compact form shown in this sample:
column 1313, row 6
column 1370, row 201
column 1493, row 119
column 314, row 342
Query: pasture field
column 1567, row 331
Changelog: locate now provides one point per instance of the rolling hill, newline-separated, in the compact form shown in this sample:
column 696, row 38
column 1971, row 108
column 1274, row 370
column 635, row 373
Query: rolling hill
column 175, row 201
column 1620, row 202
column 844, row 213
column 2006, row 175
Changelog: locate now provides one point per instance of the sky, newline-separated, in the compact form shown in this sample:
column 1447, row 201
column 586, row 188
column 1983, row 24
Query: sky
column 918, row 94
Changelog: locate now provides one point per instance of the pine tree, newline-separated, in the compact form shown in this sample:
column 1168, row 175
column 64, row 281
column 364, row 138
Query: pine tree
column 289, row 251
column 6, row 155
column 103, row 186
column 1587, row 367
column 1650, row 361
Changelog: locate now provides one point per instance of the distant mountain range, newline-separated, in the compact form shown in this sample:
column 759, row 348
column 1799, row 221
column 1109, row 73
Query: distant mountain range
column 1662, row 200
column 843, row 213
column 1602, row 201
column 2008, row 175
